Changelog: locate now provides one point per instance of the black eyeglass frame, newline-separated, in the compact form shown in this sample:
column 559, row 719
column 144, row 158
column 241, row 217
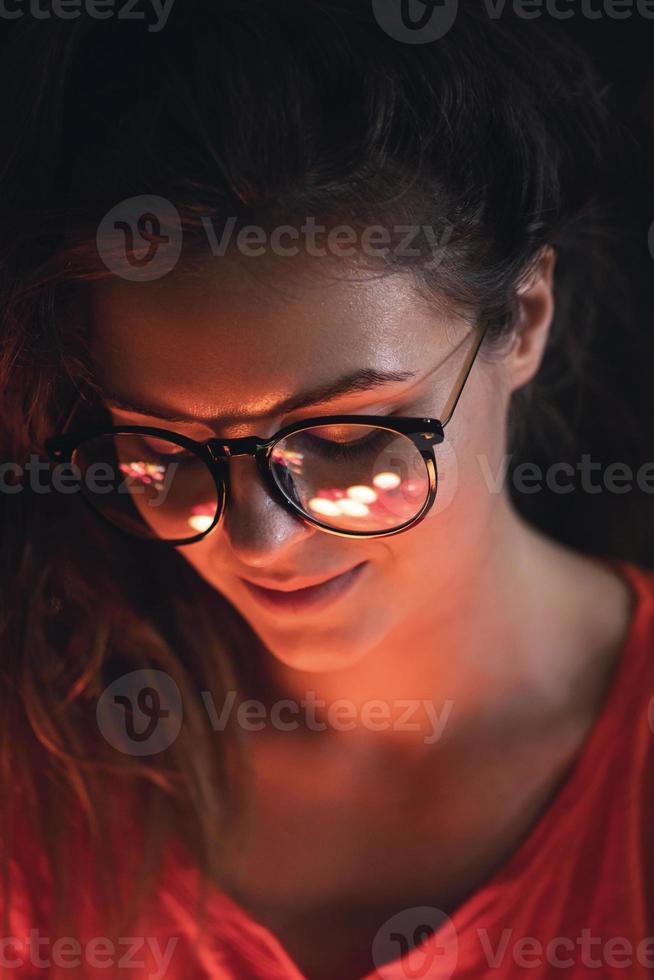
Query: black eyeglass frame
column 425, row 433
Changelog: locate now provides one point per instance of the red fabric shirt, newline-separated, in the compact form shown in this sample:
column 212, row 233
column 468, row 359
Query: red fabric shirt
column 576, row 899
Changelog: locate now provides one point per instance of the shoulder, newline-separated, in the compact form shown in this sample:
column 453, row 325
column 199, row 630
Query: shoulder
column 619, row 606
column 629, row 709
column 639, row 640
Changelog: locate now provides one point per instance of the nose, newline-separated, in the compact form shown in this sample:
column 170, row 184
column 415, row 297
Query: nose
column 258, row 528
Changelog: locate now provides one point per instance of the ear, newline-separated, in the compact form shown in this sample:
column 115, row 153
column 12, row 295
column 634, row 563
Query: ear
column 536, row 310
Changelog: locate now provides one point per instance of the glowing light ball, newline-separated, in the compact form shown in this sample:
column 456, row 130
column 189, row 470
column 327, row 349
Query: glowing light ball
column 386, row 481
column 352, row 508
column 200, row 522
column 325, row 507
column 365, row 495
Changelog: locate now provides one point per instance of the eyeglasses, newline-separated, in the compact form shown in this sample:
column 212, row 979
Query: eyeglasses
column 356, row 476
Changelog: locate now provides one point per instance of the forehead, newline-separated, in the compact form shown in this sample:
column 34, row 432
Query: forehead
column 228, row 337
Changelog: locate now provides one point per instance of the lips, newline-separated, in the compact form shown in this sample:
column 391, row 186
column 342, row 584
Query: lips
column 309, row 596
column 297, row 585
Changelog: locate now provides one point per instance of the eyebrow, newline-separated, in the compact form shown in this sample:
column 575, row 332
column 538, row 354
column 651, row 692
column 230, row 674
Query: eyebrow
column 362, row 380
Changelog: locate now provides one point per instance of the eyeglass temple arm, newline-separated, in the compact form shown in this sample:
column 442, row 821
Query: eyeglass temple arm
column 463, row 377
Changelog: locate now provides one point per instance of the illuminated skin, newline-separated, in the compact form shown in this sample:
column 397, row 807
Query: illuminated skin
column 472, row 605
column 229, row 346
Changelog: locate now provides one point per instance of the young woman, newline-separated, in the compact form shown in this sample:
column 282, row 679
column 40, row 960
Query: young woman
column 290, row 687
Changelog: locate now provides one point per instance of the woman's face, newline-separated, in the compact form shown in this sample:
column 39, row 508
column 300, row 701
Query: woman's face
column 223, row 347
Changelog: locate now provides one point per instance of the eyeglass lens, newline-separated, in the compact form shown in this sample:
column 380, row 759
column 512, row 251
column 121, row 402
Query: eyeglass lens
column 347, row 477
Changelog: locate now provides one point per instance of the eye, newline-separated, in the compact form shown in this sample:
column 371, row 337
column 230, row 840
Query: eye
column 343, row 448
column 163, row 448
column 347, row 435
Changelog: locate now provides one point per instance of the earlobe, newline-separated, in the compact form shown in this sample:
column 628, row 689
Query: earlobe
column 536, row 311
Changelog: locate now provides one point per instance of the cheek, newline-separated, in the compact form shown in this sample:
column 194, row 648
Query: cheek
column 472, row 460
column 203, row 557
column 471, row 466
column 470, row 472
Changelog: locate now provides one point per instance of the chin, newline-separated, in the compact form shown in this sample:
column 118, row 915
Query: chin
column 318, row 651
column 316, row 661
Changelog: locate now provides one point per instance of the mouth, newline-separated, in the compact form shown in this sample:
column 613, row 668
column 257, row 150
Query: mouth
column 313, row 597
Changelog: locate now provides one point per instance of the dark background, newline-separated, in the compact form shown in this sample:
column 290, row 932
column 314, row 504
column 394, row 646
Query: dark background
column 610, row 523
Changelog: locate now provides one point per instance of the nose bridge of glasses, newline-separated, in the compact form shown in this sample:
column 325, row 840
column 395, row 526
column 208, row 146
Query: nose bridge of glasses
column 244, row 446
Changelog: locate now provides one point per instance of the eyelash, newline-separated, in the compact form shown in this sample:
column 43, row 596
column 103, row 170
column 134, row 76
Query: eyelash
column 347, row 450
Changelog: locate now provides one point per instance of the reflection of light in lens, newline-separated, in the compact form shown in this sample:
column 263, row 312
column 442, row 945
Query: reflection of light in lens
column 352, row 508
column 329, row 493
column 321, row 505
column 202, row 516
column 413, row 487
column 365, row 495
column 144, row 472
column 200, row 522
column 386, row 481
column 290, row 458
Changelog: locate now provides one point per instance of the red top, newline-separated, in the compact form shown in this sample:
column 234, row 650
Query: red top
column 576, row 899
